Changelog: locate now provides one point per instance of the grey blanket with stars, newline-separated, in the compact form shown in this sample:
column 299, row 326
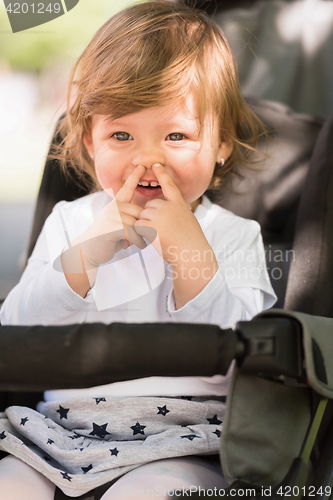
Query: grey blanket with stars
column 81, row 444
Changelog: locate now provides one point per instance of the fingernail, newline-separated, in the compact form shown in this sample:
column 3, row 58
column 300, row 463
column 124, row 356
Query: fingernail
column 157, row 165
column 138, row 166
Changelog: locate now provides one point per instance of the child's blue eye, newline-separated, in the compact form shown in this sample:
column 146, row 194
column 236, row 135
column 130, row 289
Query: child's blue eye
column 176, row 136
column 122, row 136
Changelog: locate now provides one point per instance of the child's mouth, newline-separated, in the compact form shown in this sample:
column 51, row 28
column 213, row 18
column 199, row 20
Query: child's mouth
column 149, row 189
column 149, row 184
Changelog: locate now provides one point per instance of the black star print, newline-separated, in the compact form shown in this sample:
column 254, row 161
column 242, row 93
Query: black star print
column 98, row 400
column 66, row 476
column 47, row 459
column 162, row 410
column 81, row 449
column 24, row 420
column 214, row 420
column 190, row 437
column 99, row 430
column 87, row 469
column 50, row 441
column 114, row 451
column 217, row 432
column 138, row 429
column 2, row 435
column 63, row 412
column 76, row 436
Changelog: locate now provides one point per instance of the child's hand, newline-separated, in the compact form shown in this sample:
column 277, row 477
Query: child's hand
column 178, row 229
column 113, row 228
column 182, row 240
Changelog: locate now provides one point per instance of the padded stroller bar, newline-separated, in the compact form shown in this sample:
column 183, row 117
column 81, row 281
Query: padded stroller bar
column 38, row 358
column 272, row 347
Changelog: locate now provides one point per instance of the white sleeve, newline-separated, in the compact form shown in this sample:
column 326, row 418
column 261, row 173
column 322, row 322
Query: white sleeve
column 219, row 305
column 252, row 300
column 43, row 296
column 239, row 290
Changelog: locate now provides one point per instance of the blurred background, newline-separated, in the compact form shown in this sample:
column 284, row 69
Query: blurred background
column 283, row 49
column 34, row 70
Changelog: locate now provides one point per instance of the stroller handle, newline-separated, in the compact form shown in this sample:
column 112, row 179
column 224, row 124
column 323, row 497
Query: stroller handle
column 37, row 358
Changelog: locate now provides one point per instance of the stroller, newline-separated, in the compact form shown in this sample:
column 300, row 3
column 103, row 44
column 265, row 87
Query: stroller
column 277, row 436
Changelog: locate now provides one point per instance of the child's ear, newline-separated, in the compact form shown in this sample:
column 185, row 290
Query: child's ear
column 87, row 141
column 225, row 148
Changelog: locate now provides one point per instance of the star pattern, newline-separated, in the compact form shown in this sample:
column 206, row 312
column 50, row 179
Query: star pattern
column 214, row 420
column 87, row 469
column 98, row 400
column 76, row 436
column 190, row 437
column 99, row 430
column 66, row 476
column 162, row 410
column 63, row 412
column 138, row 429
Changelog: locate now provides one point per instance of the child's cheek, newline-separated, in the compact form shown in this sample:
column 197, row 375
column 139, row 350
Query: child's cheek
column 104, row 168
column 103, row 153
column 193, row 186
column 183, row 157
column 103, row 179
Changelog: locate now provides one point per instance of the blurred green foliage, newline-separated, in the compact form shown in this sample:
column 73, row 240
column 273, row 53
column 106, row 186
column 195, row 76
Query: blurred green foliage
column 36, row 48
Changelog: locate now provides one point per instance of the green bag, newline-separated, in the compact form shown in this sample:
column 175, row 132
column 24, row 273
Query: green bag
column 263, row 430
column 266, row 421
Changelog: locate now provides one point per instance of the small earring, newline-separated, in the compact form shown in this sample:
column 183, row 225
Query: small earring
column 222, row 162
column 92, row 156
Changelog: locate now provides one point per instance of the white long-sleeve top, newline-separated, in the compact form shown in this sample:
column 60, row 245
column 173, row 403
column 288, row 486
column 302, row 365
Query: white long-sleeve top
column 137, row 287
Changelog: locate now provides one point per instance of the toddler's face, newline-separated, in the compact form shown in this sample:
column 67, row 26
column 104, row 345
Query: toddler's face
column 168, row 135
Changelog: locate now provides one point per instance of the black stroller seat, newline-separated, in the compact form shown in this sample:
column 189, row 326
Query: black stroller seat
column 269, row 349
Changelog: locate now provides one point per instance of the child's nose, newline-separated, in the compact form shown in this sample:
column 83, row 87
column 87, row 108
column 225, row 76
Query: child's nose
column 148, row 156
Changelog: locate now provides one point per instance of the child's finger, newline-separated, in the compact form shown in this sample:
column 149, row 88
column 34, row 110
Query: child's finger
column 126, row 193
column 132, row 237
column 169, row 188
column 142, row 227
column 129, row 209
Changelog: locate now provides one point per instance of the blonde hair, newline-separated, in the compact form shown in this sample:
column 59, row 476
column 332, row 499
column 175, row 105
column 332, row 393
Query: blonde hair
column 152, row 54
